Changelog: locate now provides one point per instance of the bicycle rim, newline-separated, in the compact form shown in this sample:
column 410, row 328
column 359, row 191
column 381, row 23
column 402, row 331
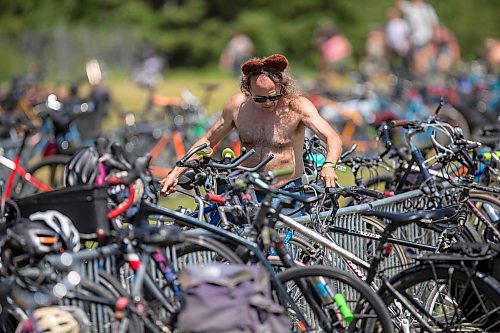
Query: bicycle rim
column 449, row 298
column 370, row 313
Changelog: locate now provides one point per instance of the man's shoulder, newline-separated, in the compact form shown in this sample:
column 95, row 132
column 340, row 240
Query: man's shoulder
column 234, row 103
column 299, row 103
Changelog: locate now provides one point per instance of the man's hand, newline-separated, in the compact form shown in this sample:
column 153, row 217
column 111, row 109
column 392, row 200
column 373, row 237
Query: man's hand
column 329, row 176
column 168, row 185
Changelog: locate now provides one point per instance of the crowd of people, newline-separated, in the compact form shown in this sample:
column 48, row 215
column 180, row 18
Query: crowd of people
column 412, row 42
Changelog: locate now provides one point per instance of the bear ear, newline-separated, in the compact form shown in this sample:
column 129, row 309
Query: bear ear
column 251, row 65
column 276, row 61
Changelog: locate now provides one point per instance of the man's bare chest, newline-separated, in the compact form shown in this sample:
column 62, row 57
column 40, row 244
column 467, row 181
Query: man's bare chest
column 274, row 130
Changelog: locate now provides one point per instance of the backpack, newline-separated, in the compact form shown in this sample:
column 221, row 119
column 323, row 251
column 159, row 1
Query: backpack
column 229, row 298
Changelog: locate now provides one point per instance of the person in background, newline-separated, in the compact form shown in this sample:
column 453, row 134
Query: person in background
column 397, row 31
column 375, row 59
column 492, row 55
column 423, row 20
column 270, row 116
column 334, row 49
column 446, row 49
column 239, row 49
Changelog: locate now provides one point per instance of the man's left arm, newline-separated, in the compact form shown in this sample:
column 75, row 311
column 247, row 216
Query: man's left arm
column 313, row 120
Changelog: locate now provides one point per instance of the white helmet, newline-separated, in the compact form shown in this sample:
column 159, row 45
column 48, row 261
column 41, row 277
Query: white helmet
column 50, row 319
column 62, row 225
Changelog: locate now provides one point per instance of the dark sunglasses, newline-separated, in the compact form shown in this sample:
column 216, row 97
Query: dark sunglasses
column 263, row 99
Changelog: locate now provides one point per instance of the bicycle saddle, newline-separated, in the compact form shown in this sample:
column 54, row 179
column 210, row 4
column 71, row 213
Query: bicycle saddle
column 402, row 219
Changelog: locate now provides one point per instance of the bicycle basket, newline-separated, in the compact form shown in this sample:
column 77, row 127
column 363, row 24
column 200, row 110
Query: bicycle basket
column 85, row 205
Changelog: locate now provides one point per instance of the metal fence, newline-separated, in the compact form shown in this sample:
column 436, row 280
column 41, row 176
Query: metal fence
column 351, row 218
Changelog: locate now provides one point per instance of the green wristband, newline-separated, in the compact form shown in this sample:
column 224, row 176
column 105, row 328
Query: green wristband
column 329, row 165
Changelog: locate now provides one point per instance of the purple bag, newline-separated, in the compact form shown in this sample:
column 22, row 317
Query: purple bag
column 229, row 298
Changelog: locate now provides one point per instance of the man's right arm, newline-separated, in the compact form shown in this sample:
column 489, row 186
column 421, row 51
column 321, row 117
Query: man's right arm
column 222, row 126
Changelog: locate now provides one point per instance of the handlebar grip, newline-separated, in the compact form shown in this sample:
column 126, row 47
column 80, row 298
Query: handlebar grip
column 400, row 123
column 282, row 172
column 193, row 164
column 370, row 193
column 215, row 198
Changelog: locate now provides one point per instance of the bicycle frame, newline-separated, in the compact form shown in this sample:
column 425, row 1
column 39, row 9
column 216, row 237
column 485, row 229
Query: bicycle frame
column 16, row 168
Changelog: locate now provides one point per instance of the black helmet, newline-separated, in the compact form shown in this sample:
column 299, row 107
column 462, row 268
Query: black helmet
column 83, row 167
column 25, row 243
column 34, row 238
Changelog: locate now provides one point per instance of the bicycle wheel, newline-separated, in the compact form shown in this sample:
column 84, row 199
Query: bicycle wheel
column 361, row 243
column 448, row 298
column 370, row 313
column 49, row 170
column 201, row 250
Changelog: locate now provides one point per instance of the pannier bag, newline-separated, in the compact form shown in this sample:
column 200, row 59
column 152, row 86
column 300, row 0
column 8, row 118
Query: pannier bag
column 229, row 298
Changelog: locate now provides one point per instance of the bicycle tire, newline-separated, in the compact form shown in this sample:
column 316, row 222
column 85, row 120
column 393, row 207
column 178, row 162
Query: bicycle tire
column 196, row 248
column 465, row 292
column 54, row 165
column 373, row 316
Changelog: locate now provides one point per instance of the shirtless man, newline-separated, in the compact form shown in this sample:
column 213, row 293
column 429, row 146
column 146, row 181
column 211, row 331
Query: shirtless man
column 270, row 117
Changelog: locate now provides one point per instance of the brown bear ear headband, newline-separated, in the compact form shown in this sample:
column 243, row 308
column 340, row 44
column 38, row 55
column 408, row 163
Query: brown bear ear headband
column 275, row 61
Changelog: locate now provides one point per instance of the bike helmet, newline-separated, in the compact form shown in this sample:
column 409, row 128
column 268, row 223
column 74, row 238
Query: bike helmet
column 82, row 168
column 33, row 238
column 62, row 225
column 51, row 319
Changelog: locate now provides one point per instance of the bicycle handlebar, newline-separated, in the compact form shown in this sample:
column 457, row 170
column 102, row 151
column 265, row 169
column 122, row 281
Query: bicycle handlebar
column 402, row 123
column 234, row 164
column 258, row 166
column 190, row 153
column 125, row 205
column 194, row 164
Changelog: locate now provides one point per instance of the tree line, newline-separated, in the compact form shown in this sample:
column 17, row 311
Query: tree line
column 192, row 33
